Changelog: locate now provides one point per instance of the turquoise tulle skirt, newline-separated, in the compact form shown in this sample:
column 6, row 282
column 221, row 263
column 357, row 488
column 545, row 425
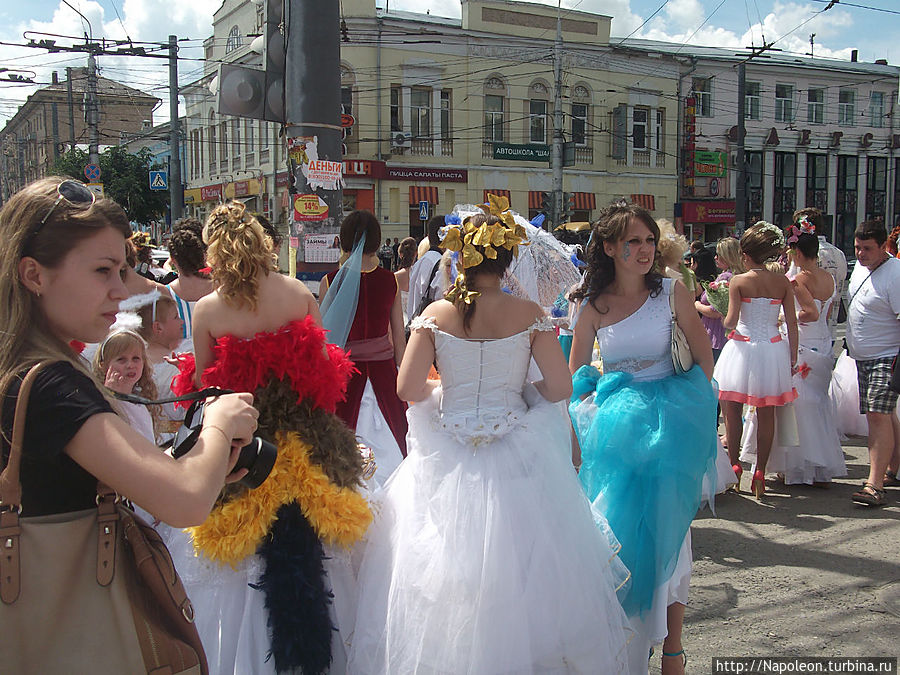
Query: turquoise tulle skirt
column 645, row 448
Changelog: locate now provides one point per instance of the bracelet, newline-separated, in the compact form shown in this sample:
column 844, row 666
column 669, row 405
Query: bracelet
column 220, row 430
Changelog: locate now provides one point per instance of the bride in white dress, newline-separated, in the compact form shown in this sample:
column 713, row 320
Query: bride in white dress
column 484, row 556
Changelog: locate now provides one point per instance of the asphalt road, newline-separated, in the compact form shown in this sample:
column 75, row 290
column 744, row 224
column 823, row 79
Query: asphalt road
column 804, row 573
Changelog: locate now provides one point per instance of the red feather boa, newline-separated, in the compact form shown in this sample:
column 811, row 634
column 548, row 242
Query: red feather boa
column 317, row 371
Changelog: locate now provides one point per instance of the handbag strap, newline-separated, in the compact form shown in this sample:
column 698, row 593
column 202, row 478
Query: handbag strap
column 672, row 300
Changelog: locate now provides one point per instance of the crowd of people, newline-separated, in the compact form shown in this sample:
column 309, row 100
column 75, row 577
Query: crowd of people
column 451, row 493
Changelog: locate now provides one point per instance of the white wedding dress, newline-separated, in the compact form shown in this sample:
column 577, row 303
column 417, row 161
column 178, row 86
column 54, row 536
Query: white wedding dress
column 485, row 556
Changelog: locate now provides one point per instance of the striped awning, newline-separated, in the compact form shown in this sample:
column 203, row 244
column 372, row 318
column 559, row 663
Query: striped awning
column 646, row 201
column 534, row 199
column 585, row 201
column 419, row 193
column 499, row 193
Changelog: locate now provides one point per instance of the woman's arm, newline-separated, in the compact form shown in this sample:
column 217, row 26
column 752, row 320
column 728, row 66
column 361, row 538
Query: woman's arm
column 583, row 336
column 808, row 310
column 323, row 288
column 706, row 310
column 557, row 382
column 696, row 334
column 398, row 330
column 179, row 492
column 412, row 378
column 734, row 303
column 790, row 318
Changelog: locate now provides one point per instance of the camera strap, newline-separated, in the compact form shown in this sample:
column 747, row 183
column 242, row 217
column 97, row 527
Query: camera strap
column 208, row 392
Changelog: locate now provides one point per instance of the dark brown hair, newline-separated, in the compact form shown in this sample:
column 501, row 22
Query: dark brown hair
column 815, row 217
column 354, row 225
column 488, row 266
column 406, row 253
column 186, row 246
column 761, row 242
column 871, row 229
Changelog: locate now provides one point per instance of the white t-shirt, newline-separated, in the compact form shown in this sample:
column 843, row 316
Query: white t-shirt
column 873, row 317
column 418, row 281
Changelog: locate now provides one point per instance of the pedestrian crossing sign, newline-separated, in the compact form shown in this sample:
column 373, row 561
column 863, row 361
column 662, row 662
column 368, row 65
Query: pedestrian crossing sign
column 159, row 180
column 423, row 210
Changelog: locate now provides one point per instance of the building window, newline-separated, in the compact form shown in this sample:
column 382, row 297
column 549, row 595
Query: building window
column 639, row 128
column 876, row 109
column 579, row 123
column 701, row 90
column 234, row 39
column 784, row 103
column 493, row 118
column 420, row 112
column 876, row 188
column 446, row 134
column 847, row 182
column 211, row 137
column 537, row 121
column 752, row 100
column 815, row 106
column 223, row 139
column 846, row 107
column 754, row 186
column 347, row 109
column 660, row 131
column 235, row 138
column 249, row 135
column 785, row 188
column 396, row 120
column 817, row 181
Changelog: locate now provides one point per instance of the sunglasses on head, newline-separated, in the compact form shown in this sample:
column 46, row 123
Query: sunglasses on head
column 74, row 193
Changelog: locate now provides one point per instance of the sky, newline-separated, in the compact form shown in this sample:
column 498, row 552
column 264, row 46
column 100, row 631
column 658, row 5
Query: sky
column 849, row 24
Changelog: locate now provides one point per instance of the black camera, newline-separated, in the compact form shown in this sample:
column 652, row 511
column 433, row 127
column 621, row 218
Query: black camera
column 258, row 456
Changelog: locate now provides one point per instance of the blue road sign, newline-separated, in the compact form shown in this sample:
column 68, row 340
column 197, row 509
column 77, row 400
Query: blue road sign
column 423, row 210
column 92, row 173
column 159, row 180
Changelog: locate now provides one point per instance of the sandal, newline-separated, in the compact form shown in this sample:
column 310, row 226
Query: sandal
column 674, row 654
column 869, row 495
column 891, row 480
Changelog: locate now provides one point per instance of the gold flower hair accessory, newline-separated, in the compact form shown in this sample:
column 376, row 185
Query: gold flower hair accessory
column 467, row 238
column 460, row 292
column 140, row 239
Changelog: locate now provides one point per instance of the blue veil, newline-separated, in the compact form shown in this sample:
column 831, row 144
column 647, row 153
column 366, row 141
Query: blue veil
column 339, row 306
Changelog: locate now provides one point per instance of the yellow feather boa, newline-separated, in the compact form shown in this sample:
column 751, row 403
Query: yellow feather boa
column 234, row 530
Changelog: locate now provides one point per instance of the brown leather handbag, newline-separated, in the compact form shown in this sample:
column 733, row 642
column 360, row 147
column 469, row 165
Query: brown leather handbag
column 92, row 591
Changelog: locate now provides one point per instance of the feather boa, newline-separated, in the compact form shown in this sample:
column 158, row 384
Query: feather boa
column 235, row 528
column 297, row 600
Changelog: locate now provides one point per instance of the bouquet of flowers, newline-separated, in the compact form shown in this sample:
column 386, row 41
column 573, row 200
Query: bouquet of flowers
column 717, row 294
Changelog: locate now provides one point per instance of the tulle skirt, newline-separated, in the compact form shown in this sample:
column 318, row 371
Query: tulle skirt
column 646, row 447
column 757, row 373
column 844, row 394
column 818, row 457
column 488, row 560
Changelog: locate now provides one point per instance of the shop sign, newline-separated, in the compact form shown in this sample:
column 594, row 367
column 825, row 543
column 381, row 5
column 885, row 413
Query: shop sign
column 310, row 207
column 425, row 174
column 528, row 152
column 364, row 167
column 282, row 179
column 192, row 196
column 211, row 193
column 709, row 212
column 710, row 163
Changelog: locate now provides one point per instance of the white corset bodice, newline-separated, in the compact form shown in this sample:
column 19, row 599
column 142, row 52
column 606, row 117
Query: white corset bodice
column 641, row 344
column 759, row 320
column 482, row 381
column 816, row 335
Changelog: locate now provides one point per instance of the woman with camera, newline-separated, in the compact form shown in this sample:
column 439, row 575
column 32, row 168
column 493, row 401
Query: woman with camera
column 62, row 261
column 287, row 541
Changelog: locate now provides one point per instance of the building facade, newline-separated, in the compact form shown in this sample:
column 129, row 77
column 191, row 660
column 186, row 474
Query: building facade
column 444, row 110
column 41, row 130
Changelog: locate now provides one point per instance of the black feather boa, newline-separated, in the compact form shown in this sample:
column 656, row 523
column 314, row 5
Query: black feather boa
column 296, row 597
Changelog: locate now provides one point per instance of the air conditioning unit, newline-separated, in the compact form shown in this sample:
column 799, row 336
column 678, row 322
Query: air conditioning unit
column 401, row 139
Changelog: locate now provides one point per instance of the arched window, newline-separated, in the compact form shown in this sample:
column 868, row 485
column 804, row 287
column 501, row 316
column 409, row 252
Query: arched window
column 495, row 109
column 581, row 114
column 234, row 39
column 211, row 136
column 538, row 112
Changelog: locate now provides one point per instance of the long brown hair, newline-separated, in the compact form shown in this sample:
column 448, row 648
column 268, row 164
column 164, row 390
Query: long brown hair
column 25, row 335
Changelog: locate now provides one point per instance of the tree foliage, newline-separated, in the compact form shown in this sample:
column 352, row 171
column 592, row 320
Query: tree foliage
column 125, row 179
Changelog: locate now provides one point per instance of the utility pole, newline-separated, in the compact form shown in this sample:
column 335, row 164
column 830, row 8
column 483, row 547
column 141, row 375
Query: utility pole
column 176, row 189
column 91, row 112
column 71, row 108
column 740, row 192
column 54, row 120
column 557, row 150
column 312, row 111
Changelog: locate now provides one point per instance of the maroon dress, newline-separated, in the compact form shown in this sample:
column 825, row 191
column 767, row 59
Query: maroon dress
column 372, row 352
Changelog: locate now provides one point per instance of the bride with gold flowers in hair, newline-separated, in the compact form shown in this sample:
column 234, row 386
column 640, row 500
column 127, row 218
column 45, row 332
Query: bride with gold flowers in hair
column 482, row 539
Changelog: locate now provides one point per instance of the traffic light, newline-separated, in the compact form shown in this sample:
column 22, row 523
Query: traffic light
column 568, row 206
column 547, row 203
column 252, row 92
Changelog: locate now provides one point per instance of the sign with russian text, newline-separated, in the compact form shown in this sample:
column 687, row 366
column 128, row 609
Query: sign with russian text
column 710, row 163
column 529, row 152
column 426, row 174
column 709, row 212
column 310, row 207
column 322, row 248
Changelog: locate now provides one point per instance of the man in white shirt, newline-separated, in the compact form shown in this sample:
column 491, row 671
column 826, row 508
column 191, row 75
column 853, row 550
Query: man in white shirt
column 873, row 337
column 425, row 279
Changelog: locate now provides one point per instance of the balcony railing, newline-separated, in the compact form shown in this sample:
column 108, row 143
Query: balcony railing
column 447, row 147
column 584, row 154
column 660, row 160
column 422, row 147
column 641, row 158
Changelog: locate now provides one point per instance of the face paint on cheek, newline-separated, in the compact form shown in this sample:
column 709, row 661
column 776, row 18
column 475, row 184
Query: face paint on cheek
column 626, row 252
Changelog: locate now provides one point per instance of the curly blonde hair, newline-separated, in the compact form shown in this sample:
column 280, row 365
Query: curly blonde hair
column 238, row 250
column 729, row 251
column 671, row 245
column 117, row 343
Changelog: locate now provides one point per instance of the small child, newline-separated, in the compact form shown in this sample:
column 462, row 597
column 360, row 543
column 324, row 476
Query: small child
column 121, row 363
column 162, row 328
column 755, row 366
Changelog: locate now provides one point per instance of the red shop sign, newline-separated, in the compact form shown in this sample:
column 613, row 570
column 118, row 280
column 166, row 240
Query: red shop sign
column 709, row 212
column 210, row 193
